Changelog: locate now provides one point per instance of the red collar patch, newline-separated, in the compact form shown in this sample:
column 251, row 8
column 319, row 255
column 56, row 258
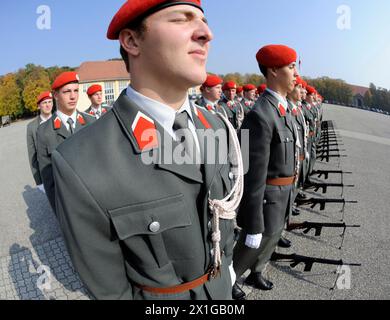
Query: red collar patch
column 80, row 119
column 57, row 123
column 145, row 132
column 208, row 107
column 91, row 113
column 104, row 110
column 202, row 118
column 295, row 111
column 282, row 110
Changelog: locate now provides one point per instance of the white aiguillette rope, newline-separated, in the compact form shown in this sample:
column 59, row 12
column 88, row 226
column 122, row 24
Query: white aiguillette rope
column 226, row 208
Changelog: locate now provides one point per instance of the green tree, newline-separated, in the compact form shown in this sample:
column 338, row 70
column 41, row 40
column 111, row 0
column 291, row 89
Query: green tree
column 37, row 81
column 10, row 98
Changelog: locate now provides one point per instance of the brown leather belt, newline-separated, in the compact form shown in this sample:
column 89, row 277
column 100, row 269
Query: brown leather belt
column 302, row 157
column 180, row 288
column 281, row 181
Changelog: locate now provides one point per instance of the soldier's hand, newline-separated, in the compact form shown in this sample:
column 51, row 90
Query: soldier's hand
column 41, row 188
column 253, row 241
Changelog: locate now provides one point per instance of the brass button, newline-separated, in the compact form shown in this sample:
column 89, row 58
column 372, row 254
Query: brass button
column 154, row 227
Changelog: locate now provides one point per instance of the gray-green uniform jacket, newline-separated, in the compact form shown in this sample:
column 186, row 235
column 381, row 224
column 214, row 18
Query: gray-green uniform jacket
column 32, row 129
column 49, row 136
column 128, row 223
column 271, row 155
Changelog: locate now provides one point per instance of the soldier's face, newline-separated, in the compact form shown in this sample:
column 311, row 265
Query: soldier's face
column 214, row 93
column 296, row 93
column 303, row 94
column 174, row 49
column 230, row 94
column 67, row 98
column 250, row 95
column 240, row 94
column 46, row 107
column 287, row 76
column 97, row 98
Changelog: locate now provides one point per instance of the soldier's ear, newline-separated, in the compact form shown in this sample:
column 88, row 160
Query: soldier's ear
column 130, row 42
column 273, row 72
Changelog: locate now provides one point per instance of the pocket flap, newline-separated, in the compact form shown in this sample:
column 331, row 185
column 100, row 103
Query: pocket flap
column 166, row 213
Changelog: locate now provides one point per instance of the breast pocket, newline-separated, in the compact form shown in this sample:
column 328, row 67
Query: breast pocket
column 146, row 228
column 287, row 144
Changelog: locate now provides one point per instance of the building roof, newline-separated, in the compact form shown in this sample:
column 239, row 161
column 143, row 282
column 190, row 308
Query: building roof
column 93, row 71
column 358, row 90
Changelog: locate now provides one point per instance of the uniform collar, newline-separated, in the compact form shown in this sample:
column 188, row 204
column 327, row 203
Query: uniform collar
column 281, row 99
column 64, row 118
column 209, row 102
column 43, row 120
column 162, row 113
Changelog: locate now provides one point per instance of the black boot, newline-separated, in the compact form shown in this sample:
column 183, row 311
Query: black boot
column 259, row 282
column 237, row 293
column 284, row 243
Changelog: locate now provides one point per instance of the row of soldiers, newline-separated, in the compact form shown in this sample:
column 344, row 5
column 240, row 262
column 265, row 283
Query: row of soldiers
column 163, row 230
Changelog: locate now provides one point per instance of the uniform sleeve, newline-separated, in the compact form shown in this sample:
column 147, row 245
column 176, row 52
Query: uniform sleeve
column 32, row 156
column 250, row 215
column 86, row 229
column 45, row 167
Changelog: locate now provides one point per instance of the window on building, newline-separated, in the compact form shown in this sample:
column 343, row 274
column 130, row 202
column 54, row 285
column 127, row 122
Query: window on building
column 123, row 85
column 109, row 93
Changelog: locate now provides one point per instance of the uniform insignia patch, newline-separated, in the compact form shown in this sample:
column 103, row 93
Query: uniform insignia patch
column 145, row 132
column 282, row 110
column 80, row 119
column 202, row 118
column 57, row 123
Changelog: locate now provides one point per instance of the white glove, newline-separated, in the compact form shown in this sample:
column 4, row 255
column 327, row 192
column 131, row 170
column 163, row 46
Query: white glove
column 232, row 274
column 41, row 188
column 253, row 241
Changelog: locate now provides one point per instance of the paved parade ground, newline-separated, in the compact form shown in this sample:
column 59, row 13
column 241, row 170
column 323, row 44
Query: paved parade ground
column 34, row 263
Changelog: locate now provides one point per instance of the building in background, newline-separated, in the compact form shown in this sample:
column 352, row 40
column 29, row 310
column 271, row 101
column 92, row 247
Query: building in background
column 358, row 93
column 112, row 76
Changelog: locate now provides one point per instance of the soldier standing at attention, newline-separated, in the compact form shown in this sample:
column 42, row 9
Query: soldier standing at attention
column 45, row 107
column 271, row 175
column 211, row 93
column 239, row 93
column 161, row 237
column 95, row 94
column 249, row 97
column 231, row 107
column 64, row 122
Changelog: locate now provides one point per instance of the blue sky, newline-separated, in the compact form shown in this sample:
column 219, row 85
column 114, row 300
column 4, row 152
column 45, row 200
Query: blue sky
column 359, row 55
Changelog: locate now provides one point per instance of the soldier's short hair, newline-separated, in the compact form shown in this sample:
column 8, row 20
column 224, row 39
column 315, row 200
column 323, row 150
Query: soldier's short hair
column 263, row 70
column 139, row 26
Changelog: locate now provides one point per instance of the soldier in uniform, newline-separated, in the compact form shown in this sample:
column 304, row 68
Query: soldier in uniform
column 158, row 238
column 312, row 118
column 240, row 93
column 45, row 107
column 95, row 94
column 271, row 175
column 64, row 122
column 211, row 93
column 294, row 100
column 249, row 97
column 230, row 106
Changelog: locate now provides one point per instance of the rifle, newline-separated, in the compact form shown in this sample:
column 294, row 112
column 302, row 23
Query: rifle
column 318, row 226
column 296, row 259
column 325, row 186
column 313, row 202
column 326, row 173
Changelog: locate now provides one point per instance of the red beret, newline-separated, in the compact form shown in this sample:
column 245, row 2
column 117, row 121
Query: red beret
column 93, row 89
column 261, row 88
column 229, row 85
column 299, row 81
column 212, row 81
column 310, row 90
column 65, row 78
column 134, row 9
column 44, row 96
column 240, row 89
column 276, row 56
column 249, row 87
